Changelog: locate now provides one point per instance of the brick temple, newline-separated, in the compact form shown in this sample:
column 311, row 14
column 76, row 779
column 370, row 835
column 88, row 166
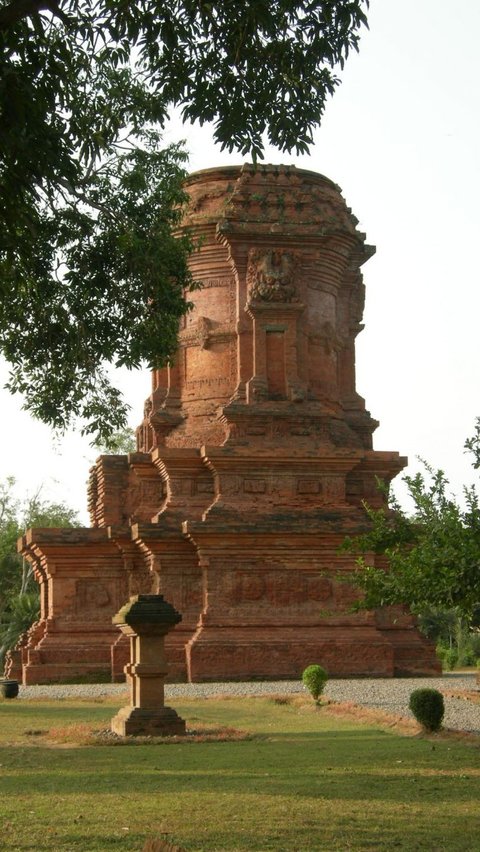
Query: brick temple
column 254, row 457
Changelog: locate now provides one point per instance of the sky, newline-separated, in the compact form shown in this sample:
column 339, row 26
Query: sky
column 401, row 136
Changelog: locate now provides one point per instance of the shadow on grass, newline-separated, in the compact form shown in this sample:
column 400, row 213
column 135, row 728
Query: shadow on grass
column 313, row 835
column 326, row 765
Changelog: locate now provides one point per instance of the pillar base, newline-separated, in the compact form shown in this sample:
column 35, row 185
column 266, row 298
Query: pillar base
column 137, row 721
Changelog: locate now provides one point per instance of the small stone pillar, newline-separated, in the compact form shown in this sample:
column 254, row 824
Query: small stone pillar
column 146, row 619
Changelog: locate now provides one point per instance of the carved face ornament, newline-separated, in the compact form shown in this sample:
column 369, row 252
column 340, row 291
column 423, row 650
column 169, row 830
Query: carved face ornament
column 270, row 276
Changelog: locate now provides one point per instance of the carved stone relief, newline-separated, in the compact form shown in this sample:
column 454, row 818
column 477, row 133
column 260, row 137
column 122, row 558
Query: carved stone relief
column 271, row 276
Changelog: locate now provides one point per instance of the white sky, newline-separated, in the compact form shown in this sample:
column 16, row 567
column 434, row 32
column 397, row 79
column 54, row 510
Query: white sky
column 402, row 138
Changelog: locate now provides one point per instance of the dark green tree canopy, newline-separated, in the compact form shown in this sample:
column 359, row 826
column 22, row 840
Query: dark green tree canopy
column 433, row 554
column 90, row 272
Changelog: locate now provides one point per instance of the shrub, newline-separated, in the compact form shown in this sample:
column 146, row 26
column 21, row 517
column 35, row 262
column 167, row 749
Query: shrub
column 314, row 678
column 447, row 656
column 428, row 707
column 450, row 659
column 475, row 643
column 466, row 658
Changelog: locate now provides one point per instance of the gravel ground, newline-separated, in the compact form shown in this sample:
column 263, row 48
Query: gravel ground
column 387, row 694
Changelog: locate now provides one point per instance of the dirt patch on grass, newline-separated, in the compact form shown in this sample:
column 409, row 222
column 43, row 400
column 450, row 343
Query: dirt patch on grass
column 117, row 699
column 460, row 737
column 84, row 734
column 403, row 725
column 88, row 734
column 400, row 724
column 349, row 710
column 199, row 734
column 463, row 694
column 373, row 716
column 157, row 844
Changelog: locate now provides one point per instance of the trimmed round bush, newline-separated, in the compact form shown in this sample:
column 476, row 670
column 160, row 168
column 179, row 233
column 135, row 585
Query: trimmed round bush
column 314, row 678
column 428, row 707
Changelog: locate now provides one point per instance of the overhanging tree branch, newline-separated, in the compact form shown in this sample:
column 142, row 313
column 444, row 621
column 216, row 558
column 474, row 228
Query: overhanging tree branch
column 21, row 9
column 68, row 96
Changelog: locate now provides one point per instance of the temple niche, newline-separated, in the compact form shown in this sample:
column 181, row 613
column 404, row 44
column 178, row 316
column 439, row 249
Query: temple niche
column 254, row 456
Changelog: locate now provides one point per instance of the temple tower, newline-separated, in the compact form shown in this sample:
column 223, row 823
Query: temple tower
column 264, row 386
column 254, row 458
column 272, row 332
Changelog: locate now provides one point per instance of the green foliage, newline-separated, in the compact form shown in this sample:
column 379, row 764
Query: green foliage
column 433, row 554
column 428, row 707
column 21, row 612
column 19, row 601
column 467, row 658
column 475, row 642
column 314, row 678
column 90, row 271
column 447, row 656
column 440, row 625
column 457, row 643
column 122, row 442
column 455, row 657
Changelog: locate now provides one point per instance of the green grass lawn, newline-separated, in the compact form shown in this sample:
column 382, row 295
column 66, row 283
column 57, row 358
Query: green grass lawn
column 307, row 781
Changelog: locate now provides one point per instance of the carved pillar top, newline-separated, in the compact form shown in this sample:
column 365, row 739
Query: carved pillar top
column 147, row 614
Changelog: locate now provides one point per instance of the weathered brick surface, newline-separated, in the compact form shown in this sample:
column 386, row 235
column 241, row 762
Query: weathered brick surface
column 254, row 456
column 82, row 583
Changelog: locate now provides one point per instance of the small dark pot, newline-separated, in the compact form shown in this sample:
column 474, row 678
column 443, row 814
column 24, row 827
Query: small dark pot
column 8, row 688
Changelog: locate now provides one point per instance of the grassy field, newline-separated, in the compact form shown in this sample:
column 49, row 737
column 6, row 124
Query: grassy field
column 304, row 779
